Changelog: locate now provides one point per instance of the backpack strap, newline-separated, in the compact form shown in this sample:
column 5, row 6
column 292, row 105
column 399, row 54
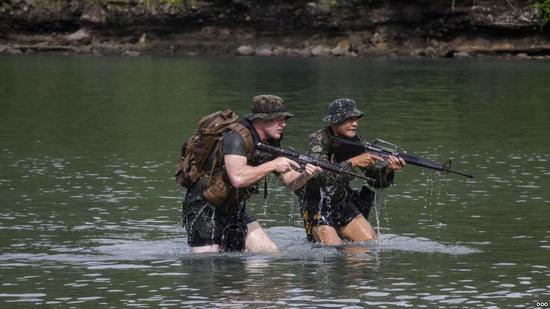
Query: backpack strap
column 245, row 133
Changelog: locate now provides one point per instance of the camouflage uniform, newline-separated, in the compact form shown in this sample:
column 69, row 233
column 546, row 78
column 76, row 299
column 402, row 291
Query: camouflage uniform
column 328, row 198
column 204, row 222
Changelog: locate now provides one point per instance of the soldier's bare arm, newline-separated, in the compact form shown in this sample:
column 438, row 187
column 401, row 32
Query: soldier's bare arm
column 242, row 175
column 294, row 180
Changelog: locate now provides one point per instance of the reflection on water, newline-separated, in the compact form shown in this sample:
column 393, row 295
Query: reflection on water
column 90, row 213
column 223, row 277
column 146, row 273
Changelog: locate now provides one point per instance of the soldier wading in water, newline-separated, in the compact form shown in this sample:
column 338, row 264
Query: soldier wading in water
column 331, row 209
column 222, row 222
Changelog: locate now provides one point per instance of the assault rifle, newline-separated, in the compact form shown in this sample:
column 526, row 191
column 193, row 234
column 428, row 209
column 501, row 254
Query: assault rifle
column 304, row 159
column 346, row 149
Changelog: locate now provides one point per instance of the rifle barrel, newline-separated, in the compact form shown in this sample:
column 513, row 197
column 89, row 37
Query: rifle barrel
column 304, row 159
column 408, row 158
column 460, row 173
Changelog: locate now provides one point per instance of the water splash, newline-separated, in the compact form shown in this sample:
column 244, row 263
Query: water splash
column 292, row 241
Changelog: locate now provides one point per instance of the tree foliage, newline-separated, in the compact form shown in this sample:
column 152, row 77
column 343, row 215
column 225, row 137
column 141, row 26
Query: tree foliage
column 544, row 7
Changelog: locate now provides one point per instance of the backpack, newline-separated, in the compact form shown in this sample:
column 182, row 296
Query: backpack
column 197, row 149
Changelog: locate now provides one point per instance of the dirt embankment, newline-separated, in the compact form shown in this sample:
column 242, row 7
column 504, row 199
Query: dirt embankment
column 324, row 28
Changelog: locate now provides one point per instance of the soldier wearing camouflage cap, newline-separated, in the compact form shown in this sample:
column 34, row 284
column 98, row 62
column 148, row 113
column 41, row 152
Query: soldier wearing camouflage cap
column 268, row 107
column 342, row 109
column 228, row 226
column 331, row 209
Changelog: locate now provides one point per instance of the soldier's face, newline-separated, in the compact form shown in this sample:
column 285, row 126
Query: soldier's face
column 274, row 127
column 347, row 128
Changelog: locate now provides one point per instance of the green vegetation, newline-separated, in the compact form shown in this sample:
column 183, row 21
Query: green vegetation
column 544, row 7
column 130, row 2
column 178, row 3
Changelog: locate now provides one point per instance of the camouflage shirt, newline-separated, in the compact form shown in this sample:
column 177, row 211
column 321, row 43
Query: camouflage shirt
column 335, row 185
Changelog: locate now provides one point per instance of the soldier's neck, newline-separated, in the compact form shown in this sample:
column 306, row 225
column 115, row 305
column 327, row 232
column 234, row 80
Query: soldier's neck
column 261, row 133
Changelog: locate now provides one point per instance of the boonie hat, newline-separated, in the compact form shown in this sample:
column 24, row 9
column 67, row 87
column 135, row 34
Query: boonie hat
column 267, row 106
column 340, row 110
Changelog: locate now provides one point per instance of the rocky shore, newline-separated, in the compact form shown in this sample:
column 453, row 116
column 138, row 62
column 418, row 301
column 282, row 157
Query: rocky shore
column 414, row 28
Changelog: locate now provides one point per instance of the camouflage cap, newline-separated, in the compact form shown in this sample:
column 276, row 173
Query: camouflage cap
column 268, row 107
column 340, row 110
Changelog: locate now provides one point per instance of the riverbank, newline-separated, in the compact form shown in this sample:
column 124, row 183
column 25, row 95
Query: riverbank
column 458, row 29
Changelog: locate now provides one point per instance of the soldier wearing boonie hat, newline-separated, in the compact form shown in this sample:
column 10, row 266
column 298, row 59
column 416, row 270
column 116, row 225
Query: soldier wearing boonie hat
column 268, row 107
column 229, row 226
column 330, row 207
column 342, row 109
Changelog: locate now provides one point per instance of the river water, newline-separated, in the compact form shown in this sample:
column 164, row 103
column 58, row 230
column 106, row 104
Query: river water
column 90, row 213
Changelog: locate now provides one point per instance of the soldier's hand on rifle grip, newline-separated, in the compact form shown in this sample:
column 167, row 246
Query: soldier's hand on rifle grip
column 395, row 163
column 365, row 159
column 312, row 170
column 282, row 165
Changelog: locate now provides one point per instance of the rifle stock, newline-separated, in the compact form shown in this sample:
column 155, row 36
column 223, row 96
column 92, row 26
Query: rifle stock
column 304, row 159
column 408, row 158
